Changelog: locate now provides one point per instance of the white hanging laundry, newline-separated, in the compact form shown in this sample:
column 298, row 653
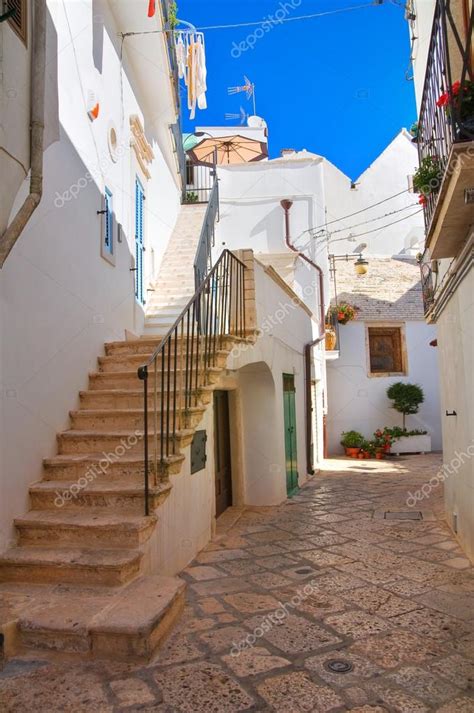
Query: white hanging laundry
column 181, row 56
column 192, row 76
column 201, row 73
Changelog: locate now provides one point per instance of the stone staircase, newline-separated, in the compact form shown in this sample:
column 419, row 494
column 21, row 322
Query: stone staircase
column 175, row 282
column 79, row 579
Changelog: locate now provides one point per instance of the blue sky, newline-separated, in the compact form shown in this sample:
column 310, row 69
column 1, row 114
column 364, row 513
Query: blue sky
column 333, row 85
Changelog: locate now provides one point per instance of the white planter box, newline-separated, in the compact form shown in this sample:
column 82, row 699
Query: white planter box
column 412, row 444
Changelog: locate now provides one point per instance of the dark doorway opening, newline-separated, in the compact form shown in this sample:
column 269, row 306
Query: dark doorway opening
column 223, row 471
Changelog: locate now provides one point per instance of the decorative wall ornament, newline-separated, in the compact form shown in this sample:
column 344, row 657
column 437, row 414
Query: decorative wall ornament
column 140, row 145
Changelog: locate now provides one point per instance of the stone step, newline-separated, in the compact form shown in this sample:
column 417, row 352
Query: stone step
column 69, row 565
column 115, row 442
column 122, row 622
column 146, row 345
column 105, row 466
column 123, row 399
column 132, row 362
column 93, row 528
column 124, row 419
column 113, row 496
column 129, row 379
column 135, row 624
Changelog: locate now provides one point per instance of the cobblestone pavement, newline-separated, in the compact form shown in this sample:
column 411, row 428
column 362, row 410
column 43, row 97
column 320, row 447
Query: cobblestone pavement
column 285, row 591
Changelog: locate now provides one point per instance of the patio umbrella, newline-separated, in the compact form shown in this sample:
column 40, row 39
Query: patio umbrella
column 228, row 150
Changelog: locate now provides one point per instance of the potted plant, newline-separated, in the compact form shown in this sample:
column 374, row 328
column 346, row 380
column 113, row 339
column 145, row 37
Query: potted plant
column 406, row 398
column 404, row 441
column 372, row 449
column 458, row 101
column 343, row 312
column 427, row 178
column 331, row 338
column 352, row 441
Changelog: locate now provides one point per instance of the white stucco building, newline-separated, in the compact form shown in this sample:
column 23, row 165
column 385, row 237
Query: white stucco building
column 444, row 31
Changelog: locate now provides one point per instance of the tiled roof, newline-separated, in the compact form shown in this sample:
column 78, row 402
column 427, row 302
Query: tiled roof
column 391, row 289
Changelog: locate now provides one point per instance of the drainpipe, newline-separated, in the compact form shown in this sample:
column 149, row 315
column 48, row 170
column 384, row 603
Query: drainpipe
column 286, row 205
column 38, row 61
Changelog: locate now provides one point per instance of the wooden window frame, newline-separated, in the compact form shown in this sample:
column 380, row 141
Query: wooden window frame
column 20, row 32
column 386, row 326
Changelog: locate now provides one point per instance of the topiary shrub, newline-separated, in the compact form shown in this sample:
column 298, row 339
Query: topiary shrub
column 406, row 398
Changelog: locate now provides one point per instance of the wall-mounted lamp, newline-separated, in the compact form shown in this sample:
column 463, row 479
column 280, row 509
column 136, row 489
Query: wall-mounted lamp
column 361, row 266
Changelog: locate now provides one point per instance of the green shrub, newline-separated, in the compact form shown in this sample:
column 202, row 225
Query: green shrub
column 406, row 398
column 352, row 439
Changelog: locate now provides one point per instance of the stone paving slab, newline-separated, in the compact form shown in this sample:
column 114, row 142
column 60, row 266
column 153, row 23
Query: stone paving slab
column 283, row 591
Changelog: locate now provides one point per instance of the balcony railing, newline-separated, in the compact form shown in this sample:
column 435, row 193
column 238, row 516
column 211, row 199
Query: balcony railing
column 443, row 123
column 427, row 283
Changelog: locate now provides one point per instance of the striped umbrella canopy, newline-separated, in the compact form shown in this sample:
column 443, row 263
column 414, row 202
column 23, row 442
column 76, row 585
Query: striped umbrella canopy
column 227, row 150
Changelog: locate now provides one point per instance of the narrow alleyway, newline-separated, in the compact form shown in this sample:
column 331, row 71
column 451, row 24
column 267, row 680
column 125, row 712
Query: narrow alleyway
column 338, row 576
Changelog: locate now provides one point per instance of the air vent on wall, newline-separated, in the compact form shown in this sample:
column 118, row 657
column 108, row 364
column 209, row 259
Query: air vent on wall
column 17, row 19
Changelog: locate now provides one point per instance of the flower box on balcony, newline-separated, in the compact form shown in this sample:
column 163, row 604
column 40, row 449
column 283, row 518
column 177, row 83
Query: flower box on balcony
column 412, row 444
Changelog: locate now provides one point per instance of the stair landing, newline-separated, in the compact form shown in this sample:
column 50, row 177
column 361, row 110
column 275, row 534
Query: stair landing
column 124, row 622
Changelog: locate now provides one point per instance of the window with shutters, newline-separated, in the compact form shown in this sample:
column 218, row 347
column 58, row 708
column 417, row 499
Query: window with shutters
column 18, row 19
column 107, row 243
column 386, row 351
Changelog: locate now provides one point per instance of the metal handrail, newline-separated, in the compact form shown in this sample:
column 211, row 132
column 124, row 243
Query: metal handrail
column 439, row 128
column 203, row 258
column 179, row 366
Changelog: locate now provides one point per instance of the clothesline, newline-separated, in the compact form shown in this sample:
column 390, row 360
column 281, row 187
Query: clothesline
column 257, row 23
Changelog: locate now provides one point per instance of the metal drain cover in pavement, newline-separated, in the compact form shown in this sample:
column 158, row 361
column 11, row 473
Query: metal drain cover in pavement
column 403, row 515
column 338, row 666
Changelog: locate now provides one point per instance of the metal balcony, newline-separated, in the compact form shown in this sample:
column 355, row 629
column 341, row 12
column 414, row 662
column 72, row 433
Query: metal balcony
column 446, row 128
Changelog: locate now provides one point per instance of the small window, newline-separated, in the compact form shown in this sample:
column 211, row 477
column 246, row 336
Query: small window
column 107, row 243
column 17, row 20
column 386, row 354
column 189, row 173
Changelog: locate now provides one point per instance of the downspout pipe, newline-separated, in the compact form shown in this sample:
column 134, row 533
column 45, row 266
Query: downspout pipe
column 286, row 205
column 31, row 202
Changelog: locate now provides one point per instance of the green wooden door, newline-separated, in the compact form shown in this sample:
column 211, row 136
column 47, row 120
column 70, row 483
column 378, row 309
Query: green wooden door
column 289, row 406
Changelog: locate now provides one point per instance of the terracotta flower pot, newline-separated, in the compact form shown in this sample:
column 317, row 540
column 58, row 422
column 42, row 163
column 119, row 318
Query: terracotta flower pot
column 330, row 340
column 360, row 456
column 380, row 455
column 352, row 452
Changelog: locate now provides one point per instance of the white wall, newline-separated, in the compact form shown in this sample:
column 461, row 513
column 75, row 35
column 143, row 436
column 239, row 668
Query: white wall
column 456, row 339
column 421, row 29
column 252, row 217
column 60, row 300
column 385, row 177
column 359, row 402
column 285, row 329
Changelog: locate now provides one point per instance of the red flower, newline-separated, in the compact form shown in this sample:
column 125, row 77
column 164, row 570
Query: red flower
column 341, row 315
column 443, row 100
column 455, row 88
column 422, row 199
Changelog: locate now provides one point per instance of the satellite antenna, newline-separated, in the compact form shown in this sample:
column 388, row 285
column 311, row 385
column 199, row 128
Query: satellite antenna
column 248, row 87
column 243, row 116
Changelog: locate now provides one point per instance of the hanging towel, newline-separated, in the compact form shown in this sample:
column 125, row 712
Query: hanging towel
column 201, row 73
column 181, row 57
column 192, row 78
column 151, row 8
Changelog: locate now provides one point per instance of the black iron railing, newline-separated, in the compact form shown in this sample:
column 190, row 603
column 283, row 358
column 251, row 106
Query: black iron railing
column 446, row 114
column 203, row 259
column 182, row 363
column 199, row 182
column 427, row 283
